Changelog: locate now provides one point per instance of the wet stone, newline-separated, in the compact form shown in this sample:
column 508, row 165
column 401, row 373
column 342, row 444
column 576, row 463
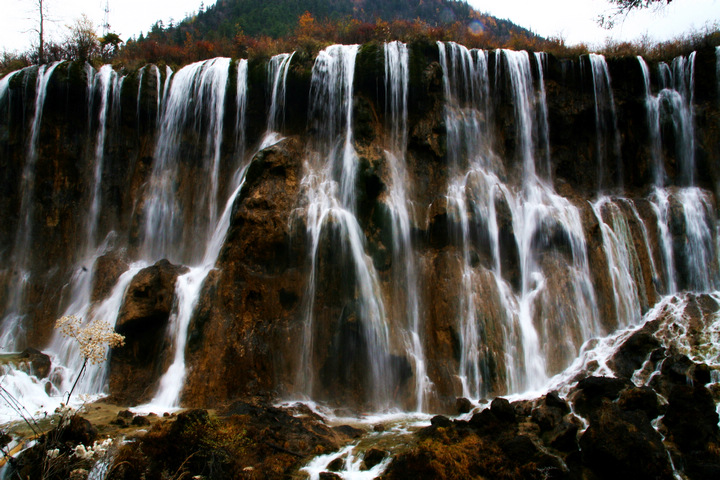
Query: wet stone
column 373, row 457
column 337, row 465
column 463, row 405
column 441, row 421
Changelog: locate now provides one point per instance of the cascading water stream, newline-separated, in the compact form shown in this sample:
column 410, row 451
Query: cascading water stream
column 466, row 86
column 188, row 286
column 107, row 81
column 674, row 105
column 621, row 259
column 696, row 254
column 167, row 218
column 661, row 207
column 525, row 301
column 278, row 68
column 329, row 186
column 5, row 84
column 405, row 278
column 677, row 101
column 534, row 210
column 652, row 105
column 140, row 75
column 65, row 350
column 187, row 290
column 606, row 128
column 543, row 123
column 12, row 328
column 518, row 69
column 334, row 100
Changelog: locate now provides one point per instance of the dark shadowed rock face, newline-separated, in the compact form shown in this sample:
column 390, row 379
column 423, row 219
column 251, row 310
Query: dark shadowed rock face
column 618, row 441
column 632, row 353
column 591, row 392
column 143, row 320
column 691, row 423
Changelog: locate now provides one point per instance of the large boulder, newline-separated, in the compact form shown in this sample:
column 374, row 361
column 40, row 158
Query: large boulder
column 633, row 352
column 592, row 392
column 620, row 444
column 691, row 423
column 143, row 320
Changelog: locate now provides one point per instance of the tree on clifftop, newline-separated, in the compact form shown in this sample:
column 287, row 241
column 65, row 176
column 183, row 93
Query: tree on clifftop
column 623, row 7
column 42, row 16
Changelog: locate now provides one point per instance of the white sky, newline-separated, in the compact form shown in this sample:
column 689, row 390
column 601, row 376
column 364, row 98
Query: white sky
column 574, row 20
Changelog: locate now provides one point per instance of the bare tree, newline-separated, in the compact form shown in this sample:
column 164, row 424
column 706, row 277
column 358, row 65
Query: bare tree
column 623, row 7
column 39, row 15
column 42, row 16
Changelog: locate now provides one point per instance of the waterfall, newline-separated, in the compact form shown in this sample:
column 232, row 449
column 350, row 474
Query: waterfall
column 187, row 291
column 622, row 260
column 652, row 105
column 12, row 329
column 188, row 286
column 165, row 212
column 448, row 250
column 466, row 89
column 331, row 96
column 140, row 75
column 518, row 67
column 65, row 350
column 676, row 104
column 696, row 254
column 542, row 113
column 240, row 111
column 277, row 71
column 143, row 83
column 466, row 85
column 329, row 186
column 538, row 215
column 106, row 81
column 606, row 129
column 405, row 269
column 5, row 84
column 673, row 106
column 535, row 210
column 661, row 207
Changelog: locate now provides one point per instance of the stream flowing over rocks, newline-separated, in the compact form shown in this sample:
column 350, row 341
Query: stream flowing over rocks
column 318, row 257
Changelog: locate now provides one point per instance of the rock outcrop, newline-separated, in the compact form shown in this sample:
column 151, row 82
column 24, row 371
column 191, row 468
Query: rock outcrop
column 143, row 321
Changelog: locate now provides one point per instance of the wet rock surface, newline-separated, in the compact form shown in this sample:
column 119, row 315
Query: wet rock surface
column 246, row 440
column 143, row 321
column 604, row 429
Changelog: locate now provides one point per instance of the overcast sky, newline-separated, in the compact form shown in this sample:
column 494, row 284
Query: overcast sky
column 574, row 20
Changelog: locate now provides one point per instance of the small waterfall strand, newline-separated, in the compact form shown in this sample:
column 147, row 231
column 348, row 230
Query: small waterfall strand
column 277, row 71
column 606, row 128
column 466, row 85
column 405, row 270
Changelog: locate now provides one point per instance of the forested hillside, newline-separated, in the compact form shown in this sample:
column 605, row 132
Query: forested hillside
column 228, row 19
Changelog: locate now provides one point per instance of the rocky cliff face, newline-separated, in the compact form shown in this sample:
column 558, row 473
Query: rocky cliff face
column 457, row 228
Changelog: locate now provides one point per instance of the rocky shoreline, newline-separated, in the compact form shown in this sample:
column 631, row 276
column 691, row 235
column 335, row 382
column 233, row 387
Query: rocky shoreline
column 653, row 416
